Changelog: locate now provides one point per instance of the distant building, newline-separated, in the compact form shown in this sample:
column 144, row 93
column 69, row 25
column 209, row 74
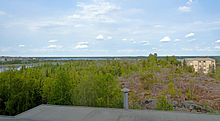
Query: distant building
column 201, row 64
column 2, row 59
column 11, row 58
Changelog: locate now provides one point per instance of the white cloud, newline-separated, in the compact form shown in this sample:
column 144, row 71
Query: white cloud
column 100, row 37
column 81, row 46
column 2, row 13
column 165, row 39
column 184, row 9
column 131, row 40
column 87, row 14
column 52, row 41
column 218, row 41
column 187, row 7
column 217, row 47
column 20, row 45
column 98, row 11
column 55, row 46
column 52, row 46
column 189, row 2
column 124, row 39
column 189, row 35
column 109, row 37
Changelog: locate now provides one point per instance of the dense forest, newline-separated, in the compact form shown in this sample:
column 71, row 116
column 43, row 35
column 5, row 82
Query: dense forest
column 80, row 83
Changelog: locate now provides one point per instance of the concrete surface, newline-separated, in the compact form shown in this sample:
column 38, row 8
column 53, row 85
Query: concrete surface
column 77, row 113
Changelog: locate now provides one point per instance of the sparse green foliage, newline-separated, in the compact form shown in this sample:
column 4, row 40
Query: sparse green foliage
column 217, row 74
column 187, row 68
column 190, row 69
column 173, row 91
column 162, row 104
column 184, row 63
column 190, row 95
column 134, row 100
column 88, row 83
column 148, row 79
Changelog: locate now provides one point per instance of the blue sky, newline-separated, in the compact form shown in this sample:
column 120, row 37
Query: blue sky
column 109, row 27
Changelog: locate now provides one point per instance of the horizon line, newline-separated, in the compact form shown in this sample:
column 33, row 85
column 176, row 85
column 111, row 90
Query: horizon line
column 94, row 56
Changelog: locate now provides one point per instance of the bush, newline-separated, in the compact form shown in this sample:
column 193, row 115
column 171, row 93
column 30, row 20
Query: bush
column 217, row 75
column 134, row 101
column 173, row 91
column 148, row 80
column 190, row 95
column 162, row 104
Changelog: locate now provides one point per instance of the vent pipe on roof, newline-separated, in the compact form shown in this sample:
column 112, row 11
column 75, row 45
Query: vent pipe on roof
column 125, row 97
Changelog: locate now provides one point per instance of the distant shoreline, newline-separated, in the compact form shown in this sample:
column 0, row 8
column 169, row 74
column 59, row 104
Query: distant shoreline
column 104, row 56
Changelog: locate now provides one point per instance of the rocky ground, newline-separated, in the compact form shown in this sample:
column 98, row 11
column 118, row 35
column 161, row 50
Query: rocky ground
column 190, row 92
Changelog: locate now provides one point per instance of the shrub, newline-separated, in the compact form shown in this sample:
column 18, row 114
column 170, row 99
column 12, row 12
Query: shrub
column 190, row 95
column 173, row 91
column 134, row 100
column 148, row 80
column 162, row 104
column 217, row 75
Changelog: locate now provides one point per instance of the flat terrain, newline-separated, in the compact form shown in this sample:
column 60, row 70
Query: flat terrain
column 77, row 113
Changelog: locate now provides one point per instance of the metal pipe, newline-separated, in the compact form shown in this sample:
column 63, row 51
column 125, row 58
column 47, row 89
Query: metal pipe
column 125, row 97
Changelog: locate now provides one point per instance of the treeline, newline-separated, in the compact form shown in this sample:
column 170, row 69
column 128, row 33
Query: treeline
column 19, row 62
column 81, row 83
column 88, row 83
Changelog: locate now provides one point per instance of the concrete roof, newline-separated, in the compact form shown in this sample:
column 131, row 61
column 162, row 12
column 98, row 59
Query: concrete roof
column 77, row 113
column 199, row 59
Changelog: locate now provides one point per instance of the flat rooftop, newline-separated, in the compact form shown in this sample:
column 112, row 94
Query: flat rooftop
column 78, row 113
column 199, row 59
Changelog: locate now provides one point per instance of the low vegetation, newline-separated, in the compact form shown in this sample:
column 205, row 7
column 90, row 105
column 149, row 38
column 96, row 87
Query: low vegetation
column 97, row 83
column 162, row 104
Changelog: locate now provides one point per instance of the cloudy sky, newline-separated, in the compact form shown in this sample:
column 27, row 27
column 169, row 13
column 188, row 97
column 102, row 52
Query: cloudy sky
column 109, row 27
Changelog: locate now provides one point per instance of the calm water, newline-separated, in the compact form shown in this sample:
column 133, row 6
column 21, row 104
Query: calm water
column 4, row 68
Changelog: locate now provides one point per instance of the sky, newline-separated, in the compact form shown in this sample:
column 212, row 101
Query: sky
column 109, row 27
